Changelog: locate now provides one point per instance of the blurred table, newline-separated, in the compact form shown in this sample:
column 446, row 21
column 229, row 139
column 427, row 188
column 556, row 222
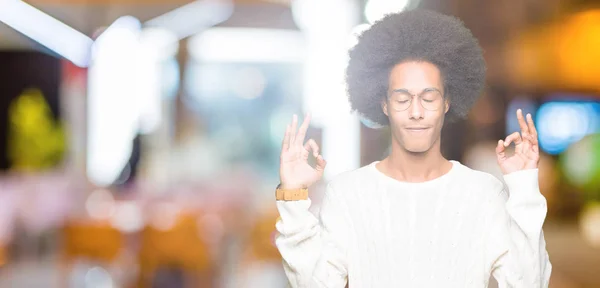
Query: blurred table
column 575, row 263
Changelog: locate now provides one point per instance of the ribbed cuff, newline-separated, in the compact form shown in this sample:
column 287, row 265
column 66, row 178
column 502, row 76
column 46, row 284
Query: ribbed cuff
column 522, row 185
column 294, row 216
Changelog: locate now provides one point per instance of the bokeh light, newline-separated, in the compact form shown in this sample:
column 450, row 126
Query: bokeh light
column 563, row 123
column 127, row 217
column 248, row 83
column 581, row 163
column 100, row 204
column 589, row 224
column 377, row 9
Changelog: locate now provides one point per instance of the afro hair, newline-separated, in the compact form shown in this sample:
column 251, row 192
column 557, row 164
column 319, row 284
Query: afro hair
column 415, row 35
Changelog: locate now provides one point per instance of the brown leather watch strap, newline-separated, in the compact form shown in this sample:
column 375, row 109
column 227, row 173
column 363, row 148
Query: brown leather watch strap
column 291, row 194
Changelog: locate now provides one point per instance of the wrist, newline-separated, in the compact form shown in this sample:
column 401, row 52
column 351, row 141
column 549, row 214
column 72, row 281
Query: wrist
column 284, row 186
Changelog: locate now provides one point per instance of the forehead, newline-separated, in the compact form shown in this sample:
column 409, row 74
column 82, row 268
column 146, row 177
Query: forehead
column 415, row 76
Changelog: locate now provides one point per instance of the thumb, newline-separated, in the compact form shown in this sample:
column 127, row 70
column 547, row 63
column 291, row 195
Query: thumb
column 500, row 151
column 321, row 163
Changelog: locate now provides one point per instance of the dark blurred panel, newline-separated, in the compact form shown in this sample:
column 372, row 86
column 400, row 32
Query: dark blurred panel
column 20, row 70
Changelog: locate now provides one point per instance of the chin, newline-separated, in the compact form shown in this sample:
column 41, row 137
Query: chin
column 417, row 149
column 416, row 145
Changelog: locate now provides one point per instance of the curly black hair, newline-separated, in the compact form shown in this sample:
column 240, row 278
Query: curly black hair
column 415, row 35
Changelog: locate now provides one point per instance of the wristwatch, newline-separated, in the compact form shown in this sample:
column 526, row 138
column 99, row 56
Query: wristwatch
column 290, row 194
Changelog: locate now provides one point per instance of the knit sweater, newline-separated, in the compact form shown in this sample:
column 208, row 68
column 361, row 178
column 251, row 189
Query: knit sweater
column 456, row 230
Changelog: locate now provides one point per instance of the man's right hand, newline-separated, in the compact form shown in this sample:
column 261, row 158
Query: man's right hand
column 294, row 170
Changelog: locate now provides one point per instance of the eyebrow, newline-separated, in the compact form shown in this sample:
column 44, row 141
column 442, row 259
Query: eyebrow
column 402, row 90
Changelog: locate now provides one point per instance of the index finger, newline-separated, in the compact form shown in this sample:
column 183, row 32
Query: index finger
column 522, row 122
column 302, row 130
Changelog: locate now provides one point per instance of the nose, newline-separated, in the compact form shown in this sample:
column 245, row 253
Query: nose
column 416, row 110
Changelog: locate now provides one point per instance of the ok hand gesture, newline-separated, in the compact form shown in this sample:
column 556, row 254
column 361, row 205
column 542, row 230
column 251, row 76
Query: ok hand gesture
column 294, row 170
column 527, row 151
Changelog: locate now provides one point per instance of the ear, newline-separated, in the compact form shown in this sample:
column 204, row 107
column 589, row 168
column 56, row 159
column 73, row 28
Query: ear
column 384, row 107
column 447, row 106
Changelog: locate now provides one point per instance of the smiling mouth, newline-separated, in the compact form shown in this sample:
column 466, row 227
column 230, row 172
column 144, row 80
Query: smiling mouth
column 417, row 131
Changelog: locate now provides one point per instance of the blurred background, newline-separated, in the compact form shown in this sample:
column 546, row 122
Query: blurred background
column 139, row 139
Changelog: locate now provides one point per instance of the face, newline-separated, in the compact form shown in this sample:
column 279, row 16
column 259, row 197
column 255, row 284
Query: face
column 417, row 87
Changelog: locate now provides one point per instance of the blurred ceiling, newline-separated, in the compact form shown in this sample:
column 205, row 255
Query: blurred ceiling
column 87, row 16
column 491, row 21
column 497, row 24
column 84, row 18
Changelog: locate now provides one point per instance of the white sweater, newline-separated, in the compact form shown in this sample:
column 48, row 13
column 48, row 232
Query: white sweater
column 452, row 231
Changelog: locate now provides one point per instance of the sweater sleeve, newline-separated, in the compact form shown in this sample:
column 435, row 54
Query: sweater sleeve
column 515, row 244
column 313, row 250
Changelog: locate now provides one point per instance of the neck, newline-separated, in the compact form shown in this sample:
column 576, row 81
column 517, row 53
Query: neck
column 408, row 166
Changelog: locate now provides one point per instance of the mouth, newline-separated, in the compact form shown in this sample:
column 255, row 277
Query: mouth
column 416, row 129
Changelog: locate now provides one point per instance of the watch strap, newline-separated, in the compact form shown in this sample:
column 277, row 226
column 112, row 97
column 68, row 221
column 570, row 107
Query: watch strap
column 291, row 194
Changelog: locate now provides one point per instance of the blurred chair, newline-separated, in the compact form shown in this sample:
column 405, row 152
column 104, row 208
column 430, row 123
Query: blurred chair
column 261, row 264
column 96, row 241
column 3, row 256
column 262, row 238
column 176, row 247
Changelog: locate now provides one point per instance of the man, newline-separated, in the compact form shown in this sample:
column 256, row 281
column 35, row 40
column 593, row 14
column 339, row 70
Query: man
column 414, row 219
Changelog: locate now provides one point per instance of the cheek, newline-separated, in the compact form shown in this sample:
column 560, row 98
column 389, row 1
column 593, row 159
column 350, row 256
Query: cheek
column 438, row 116
column 396, row 119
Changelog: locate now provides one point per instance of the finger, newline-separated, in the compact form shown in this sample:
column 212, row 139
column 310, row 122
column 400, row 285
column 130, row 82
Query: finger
column 533, row 146
column 311, row 145
column 302, row 130
column 514, row 137
column 525, row 146
column 321, row 163
column 286, row 139
column 531, row 126
column 521, row 120
column 533, row 135
column 500, row 151
column 293, row 130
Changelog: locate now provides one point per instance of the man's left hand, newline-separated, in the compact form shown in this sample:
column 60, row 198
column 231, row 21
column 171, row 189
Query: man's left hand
column 527, row 151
